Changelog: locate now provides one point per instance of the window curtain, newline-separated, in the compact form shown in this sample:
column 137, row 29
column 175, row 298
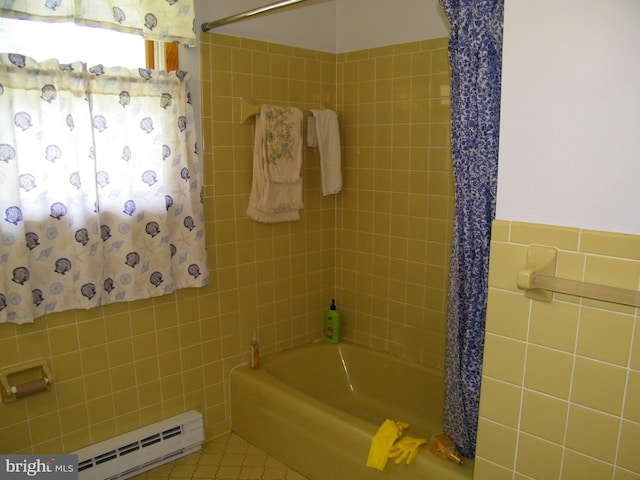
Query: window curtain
column 475, row 55
column 161, row 20
column 99, row 187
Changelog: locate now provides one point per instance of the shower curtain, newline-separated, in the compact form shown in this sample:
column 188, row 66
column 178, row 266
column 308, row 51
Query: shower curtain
column 475, row 51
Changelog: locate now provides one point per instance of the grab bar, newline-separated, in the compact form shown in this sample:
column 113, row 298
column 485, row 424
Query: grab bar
column 538, row 281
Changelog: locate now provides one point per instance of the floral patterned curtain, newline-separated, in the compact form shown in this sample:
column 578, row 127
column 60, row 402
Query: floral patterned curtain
column 99, row 187
column 161, row 20
column 475, row 54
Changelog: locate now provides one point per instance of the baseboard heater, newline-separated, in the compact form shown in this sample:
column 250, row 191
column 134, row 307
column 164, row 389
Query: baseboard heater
column 135, row 452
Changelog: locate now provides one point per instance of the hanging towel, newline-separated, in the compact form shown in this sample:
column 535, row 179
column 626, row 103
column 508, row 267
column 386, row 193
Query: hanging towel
column 328, row 135
column 282, row 142
column 312, row 139
column 276, row 187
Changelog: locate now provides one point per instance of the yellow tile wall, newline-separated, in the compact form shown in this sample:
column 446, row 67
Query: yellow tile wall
column 274, row 279
column 395, row 214
column 561, row 380
column 380, row 247
column 116, row 368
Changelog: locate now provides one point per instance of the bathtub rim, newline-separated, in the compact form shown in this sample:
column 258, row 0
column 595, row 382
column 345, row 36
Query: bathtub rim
column 321, row 343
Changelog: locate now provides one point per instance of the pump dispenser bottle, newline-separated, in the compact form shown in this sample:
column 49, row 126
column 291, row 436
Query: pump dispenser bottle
column 254, row 356
column 443, row 447
column 332, row 324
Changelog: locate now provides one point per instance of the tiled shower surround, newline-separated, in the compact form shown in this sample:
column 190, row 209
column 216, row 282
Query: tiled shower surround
column 380, row 248
column 395, row 215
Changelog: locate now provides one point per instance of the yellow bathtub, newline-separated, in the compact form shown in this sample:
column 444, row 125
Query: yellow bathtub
column 316, row 408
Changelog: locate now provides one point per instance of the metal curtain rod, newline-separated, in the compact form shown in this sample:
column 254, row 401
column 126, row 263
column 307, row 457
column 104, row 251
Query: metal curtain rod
column 250, row 13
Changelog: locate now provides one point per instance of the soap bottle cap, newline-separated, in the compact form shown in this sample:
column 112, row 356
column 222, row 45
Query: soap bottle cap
column 333, row 304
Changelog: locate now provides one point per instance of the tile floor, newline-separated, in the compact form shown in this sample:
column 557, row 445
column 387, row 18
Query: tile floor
column 229, row 457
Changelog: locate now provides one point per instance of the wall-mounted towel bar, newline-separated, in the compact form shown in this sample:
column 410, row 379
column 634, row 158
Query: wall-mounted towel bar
column 584, row 289
column 250, row 13
column 538, row 281
column 250, row 108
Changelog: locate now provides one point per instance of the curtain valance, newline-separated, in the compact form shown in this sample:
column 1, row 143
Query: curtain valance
column 166, row 21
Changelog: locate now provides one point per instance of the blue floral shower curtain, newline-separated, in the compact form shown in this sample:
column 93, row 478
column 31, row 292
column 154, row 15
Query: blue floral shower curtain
column 475, row 55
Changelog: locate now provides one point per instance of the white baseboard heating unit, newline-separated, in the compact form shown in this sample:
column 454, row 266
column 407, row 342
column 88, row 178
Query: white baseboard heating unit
column 135, row 452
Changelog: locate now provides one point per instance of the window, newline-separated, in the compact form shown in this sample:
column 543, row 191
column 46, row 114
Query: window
column 99, row 175
column 70, row 43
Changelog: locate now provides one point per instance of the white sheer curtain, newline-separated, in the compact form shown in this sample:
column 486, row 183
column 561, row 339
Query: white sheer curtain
column 162, row 20
column 99, row 187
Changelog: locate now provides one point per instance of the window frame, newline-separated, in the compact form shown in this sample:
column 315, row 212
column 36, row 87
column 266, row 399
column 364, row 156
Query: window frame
column 166, row 53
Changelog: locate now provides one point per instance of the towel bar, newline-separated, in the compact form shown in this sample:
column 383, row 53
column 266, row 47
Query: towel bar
column 538, row 280
column 250, row 108
column 583, row 289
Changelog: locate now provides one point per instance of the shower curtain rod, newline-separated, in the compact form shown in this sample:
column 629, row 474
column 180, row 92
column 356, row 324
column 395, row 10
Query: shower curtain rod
column 250, row 13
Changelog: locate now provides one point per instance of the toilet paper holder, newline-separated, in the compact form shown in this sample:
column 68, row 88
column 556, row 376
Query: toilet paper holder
column 24, row 379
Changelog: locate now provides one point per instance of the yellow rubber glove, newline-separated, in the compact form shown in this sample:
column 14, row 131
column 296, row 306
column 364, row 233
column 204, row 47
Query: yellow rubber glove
column 406, row 449
column 382, row 442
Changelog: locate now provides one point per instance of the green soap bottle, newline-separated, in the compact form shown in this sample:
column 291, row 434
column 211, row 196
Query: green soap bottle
column 332, row 324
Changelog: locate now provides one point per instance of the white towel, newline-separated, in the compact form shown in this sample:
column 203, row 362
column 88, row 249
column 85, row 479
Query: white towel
column 312, row 139
column 276, row 187
column 328, row 135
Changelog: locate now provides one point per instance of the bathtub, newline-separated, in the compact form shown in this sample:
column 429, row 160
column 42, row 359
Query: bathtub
column 316, row 408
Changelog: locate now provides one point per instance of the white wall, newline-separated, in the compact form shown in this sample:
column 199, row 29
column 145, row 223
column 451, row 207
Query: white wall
column 570, row 120
column 365, row 24
column 310, row 24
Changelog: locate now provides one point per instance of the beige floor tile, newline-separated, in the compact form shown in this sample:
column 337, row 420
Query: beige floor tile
column 229, row 457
